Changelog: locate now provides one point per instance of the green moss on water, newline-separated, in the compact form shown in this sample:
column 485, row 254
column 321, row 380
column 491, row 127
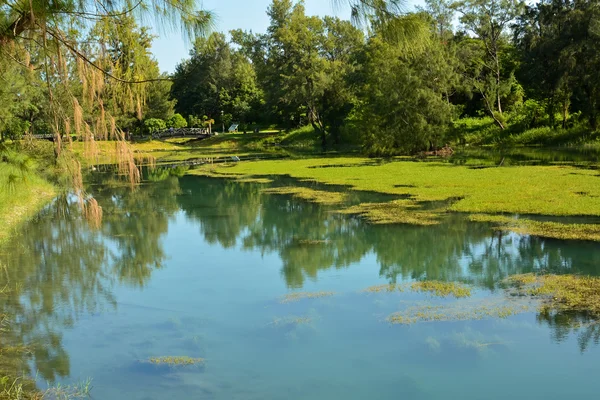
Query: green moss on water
column 554, row 230
column 542, row 190
column 312, row 195
column 255, row 180
column 394, row 212
column 294, row 297
column 560, row 293
column 457, row 312
column 292, row 320
column 442, row 289
column 435, row 288
column 383, row 288
column 175, row 361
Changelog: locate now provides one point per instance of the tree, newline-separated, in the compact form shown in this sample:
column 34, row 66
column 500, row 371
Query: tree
column 441, row 13
column 200, row 82
column 177, row 121
column 489, row 21
column 558, row 42
column 401, row 107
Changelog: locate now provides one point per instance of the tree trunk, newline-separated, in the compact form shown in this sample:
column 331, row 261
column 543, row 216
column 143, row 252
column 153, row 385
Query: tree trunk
column 490, row 110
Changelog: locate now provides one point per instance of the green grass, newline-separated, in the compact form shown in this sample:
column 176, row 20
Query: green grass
column 541, row 190
column 21, row 200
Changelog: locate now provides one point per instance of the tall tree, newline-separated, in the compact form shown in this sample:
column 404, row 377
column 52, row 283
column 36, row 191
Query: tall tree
column 489, row 20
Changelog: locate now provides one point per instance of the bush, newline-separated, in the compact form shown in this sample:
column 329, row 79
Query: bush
column 534, row 136
column 153, row 125
column 177, row 121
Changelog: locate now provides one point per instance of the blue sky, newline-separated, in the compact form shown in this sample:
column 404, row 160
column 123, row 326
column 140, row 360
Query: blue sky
column 170, row 48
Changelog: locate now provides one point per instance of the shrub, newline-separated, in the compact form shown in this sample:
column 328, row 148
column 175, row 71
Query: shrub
column 153, row 125
column 177, row 121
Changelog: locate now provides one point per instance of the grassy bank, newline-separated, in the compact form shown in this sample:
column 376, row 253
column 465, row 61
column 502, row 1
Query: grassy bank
column 21, row 201
column 437, row 188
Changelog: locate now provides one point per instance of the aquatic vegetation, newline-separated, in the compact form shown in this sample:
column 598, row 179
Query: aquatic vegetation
column 435, row 288
column 560, row 293
column 550, row 190
column 310, row 242
column 316, row 196
column 13, row 388
column 554, row 230
column 394, row 212
column 294, row 297
column 457, row 312
column 433, row 344
column 80, row 390
column 174, row 361
column 382, row 288
column 254, row 180
column 292, row 320
column 442, row 289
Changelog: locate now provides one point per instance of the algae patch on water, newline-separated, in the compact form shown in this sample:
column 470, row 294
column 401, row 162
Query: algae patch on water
column 560, row 293
column 383, row 288
column 435, row 288
column 458, row 312
column 176, row 361
column 546, row 229
column 290, row 321
column 294, row 297
column 394, row 212
column 442, row 289
column 315, row 196
column 547, row 294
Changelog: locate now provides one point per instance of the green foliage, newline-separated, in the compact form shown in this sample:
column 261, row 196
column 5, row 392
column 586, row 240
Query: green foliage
column 216, row 79
column 401, row 109
column 177, row 121
column 153, row 125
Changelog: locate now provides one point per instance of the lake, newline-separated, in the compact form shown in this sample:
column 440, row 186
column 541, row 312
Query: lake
column 204, row 268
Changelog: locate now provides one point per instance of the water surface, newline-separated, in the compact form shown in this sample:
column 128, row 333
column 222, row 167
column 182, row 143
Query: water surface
column 197, row 267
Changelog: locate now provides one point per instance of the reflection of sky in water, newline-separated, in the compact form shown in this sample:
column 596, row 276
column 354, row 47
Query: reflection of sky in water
column 201, row 275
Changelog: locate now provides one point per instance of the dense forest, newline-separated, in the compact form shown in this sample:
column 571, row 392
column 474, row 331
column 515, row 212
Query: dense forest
column 475, row 71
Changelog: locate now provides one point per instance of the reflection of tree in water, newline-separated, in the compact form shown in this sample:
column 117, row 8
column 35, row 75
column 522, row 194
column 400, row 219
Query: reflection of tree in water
column 563, row 324
column 59, row 268
column 309, row 238
column 136, row 221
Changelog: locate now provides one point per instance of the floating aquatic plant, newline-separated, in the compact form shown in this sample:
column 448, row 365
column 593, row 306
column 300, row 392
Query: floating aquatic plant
column 293, row 297
column 435, row 288
column 394, row 212
column 461, row 312
column 383, row 288
column 293, row 320
column 176, row 361
column 547, row 229
column 560, row 293
column 442, row 289
column 316, row 196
